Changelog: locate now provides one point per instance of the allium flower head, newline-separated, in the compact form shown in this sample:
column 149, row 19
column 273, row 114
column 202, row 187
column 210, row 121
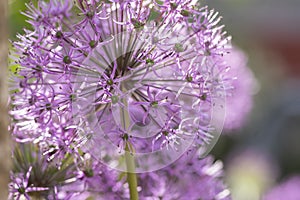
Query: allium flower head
column 108, row 76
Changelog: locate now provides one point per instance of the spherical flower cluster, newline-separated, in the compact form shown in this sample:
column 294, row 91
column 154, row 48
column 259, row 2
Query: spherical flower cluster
column 101, row 79
column 141, row 72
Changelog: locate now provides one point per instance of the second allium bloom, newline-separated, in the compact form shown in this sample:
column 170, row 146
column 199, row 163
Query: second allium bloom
column 111, row 73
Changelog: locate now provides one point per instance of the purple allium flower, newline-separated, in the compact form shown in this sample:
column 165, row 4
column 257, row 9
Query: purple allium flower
column 20, row 186
column 108, row 74
column 188, row 178
column 98, row 80
column 288, row 190
column 239, row 101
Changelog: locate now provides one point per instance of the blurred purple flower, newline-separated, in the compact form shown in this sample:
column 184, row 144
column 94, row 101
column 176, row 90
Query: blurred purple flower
column 250, row 172
column 287, row 190
column 239, row 102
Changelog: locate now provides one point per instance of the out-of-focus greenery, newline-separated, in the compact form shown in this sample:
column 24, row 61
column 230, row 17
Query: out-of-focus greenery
column 17, row 21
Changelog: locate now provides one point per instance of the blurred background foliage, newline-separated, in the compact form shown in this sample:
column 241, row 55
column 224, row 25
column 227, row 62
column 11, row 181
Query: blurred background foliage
column 266, row 150
column 17, row 21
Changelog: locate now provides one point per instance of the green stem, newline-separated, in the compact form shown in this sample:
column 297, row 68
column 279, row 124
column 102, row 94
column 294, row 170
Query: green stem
column 131, row 177
column 129, row 155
